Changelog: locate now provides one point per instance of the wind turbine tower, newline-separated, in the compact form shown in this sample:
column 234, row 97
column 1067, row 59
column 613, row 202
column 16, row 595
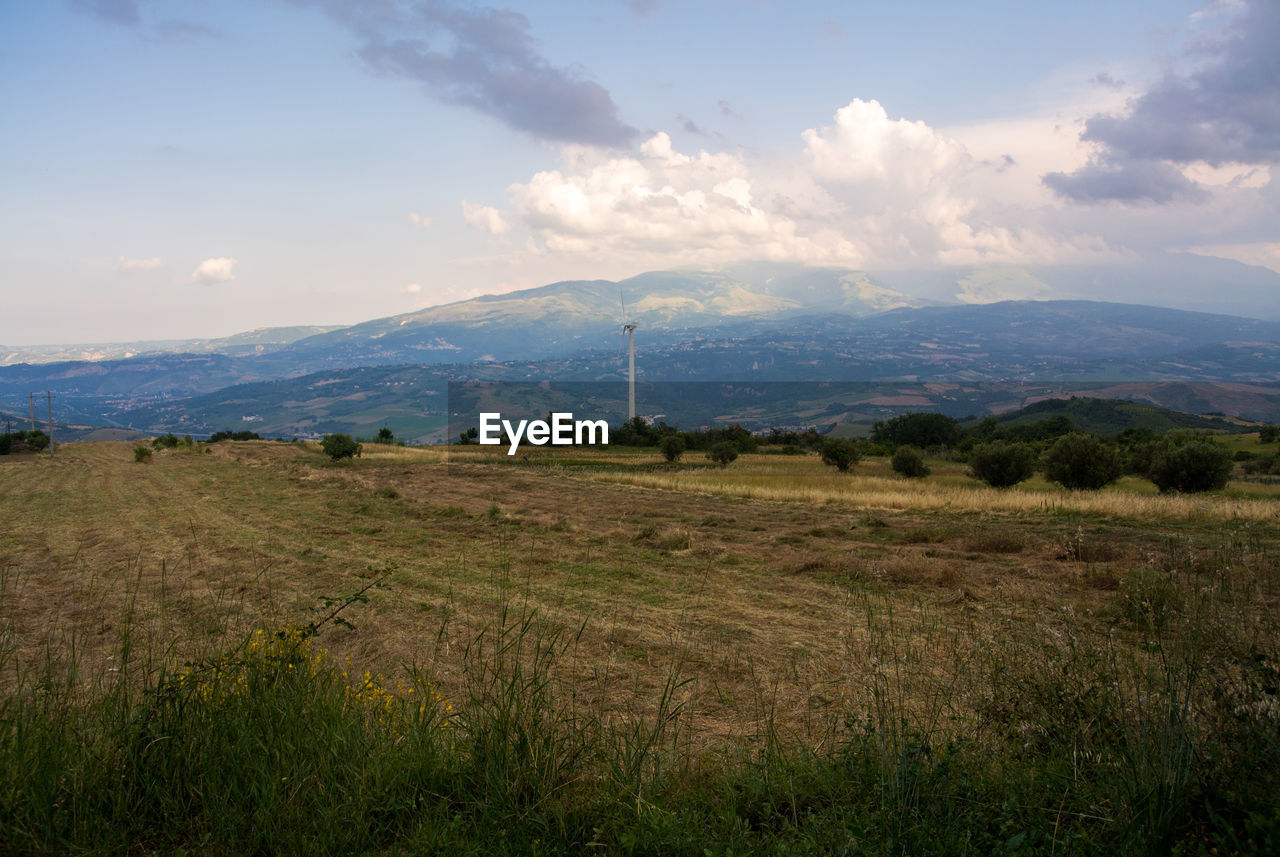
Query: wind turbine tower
column 629, row 331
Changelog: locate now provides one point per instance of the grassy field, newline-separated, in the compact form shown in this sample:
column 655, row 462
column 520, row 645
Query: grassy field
column 598, row 652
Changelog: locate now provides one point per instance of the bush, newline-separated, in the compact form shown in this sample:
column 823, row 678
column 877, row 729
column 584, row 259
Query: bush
column 673, row 447
column 37, row 440
column 1001, row 464
column 839, row 452
column 908, row 462
column 339, row 446
column 1082, row 461
column 1269, row 433
column 723, row 452
column 142, row 454
column 1263, row 465
column 165, row 441
column 172, row 441
column 385, row 435
column 227, row 434
column 922, row 430
column 1190, row 466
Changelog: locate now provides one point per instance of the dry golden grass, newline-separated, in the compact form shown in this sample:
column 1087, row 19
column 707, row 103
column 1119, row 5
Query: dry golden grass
column 807, row 480
column 771, row 581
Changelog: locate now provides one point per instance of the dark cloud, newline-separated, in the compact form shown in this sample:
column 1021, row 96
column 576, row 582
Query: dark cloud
column 484, row 59
column 1132, row 181
column 690, row 126
column 726, row 109
column 1106, row 81
column 1226, row 110
column 124, row 12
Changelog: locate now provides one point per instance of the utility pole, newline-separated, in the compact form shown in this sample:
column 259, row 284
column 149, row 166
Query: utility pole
column 49, row 395
column 31, row 406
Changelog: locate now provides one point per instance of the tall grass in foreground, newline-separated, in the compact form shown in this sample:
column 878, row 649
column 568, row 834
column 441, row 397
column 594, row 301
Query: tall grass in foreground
column 1036, row 737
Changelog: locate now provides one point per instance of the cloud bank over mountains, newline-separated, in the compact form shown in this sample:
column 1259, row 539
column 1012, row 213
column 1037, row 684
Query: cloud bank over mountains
column 866, row 190
column 479, row 147
column 1184, row 164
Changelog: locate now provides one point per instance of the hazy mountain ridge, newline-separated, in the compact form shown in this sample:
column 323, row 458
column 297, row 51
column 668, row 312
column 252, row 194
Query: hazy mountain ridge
column 751, row 322
column 558, row 318
column 250, row 342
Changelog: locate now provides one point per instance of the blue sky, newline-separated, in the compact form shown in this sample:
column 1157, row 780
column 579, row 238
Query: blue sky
column 176, row 169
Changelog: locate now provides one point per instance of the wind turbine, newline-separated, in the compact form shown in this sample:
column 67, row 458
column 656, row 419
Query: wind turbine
column 629, row 333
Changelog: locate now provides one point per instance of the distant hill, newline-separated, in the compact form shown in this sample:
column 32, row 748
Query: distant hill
column 250, row 342
column 756, row 322
column 1109, row 417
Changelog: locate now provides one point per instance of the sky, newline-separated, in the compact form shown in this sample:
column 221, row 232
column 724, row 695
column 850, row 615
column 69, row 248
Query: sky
column 175, row 169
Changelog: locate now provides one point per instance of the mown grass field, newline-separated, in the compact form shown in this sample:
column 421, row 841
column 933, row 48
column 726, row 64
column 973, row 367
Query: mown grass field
column 636, row 657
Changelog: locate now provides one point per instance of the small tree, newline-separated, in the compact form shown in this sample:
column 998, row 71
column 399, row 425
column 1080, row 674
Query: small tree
column 839, row 452
column 1190, row 466
column 673, row 447
column 1081, row 460
column 1001, row 464
column 339, row 446
column 37, row 440
column 1269, row 433
column 908, row 462
column 385, row 436
column 723, row 453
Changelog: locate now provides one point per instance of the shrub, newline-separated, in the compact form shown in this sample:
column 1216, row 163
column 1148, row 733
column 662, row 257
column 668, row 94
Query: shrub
column 1001, row 464
column 37, row 440
column 673, row 447
column 1190, row 466
column 339, row 446
column 142, row 454
column 839, row 452
column 723, row 453
column 1269, row 433
column 227, row 434
column 1081, row 460
column 6, row 444
column 920, row 430
column 172, row 441
column 908, row 462
column 385, row 435
column 165, row 441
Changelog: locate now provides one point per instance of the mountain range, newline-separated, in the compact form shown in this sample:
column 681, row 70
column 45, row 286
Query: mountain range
column 758, row 322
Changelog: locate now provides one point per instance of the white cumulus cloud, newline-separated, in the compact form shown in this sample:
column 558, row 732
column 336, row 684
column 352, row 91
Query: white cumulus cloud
column 701, row 207
column 211, row 271
column 132, row 265
column 419, row 220
column 865, row 190
column 485, row 218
